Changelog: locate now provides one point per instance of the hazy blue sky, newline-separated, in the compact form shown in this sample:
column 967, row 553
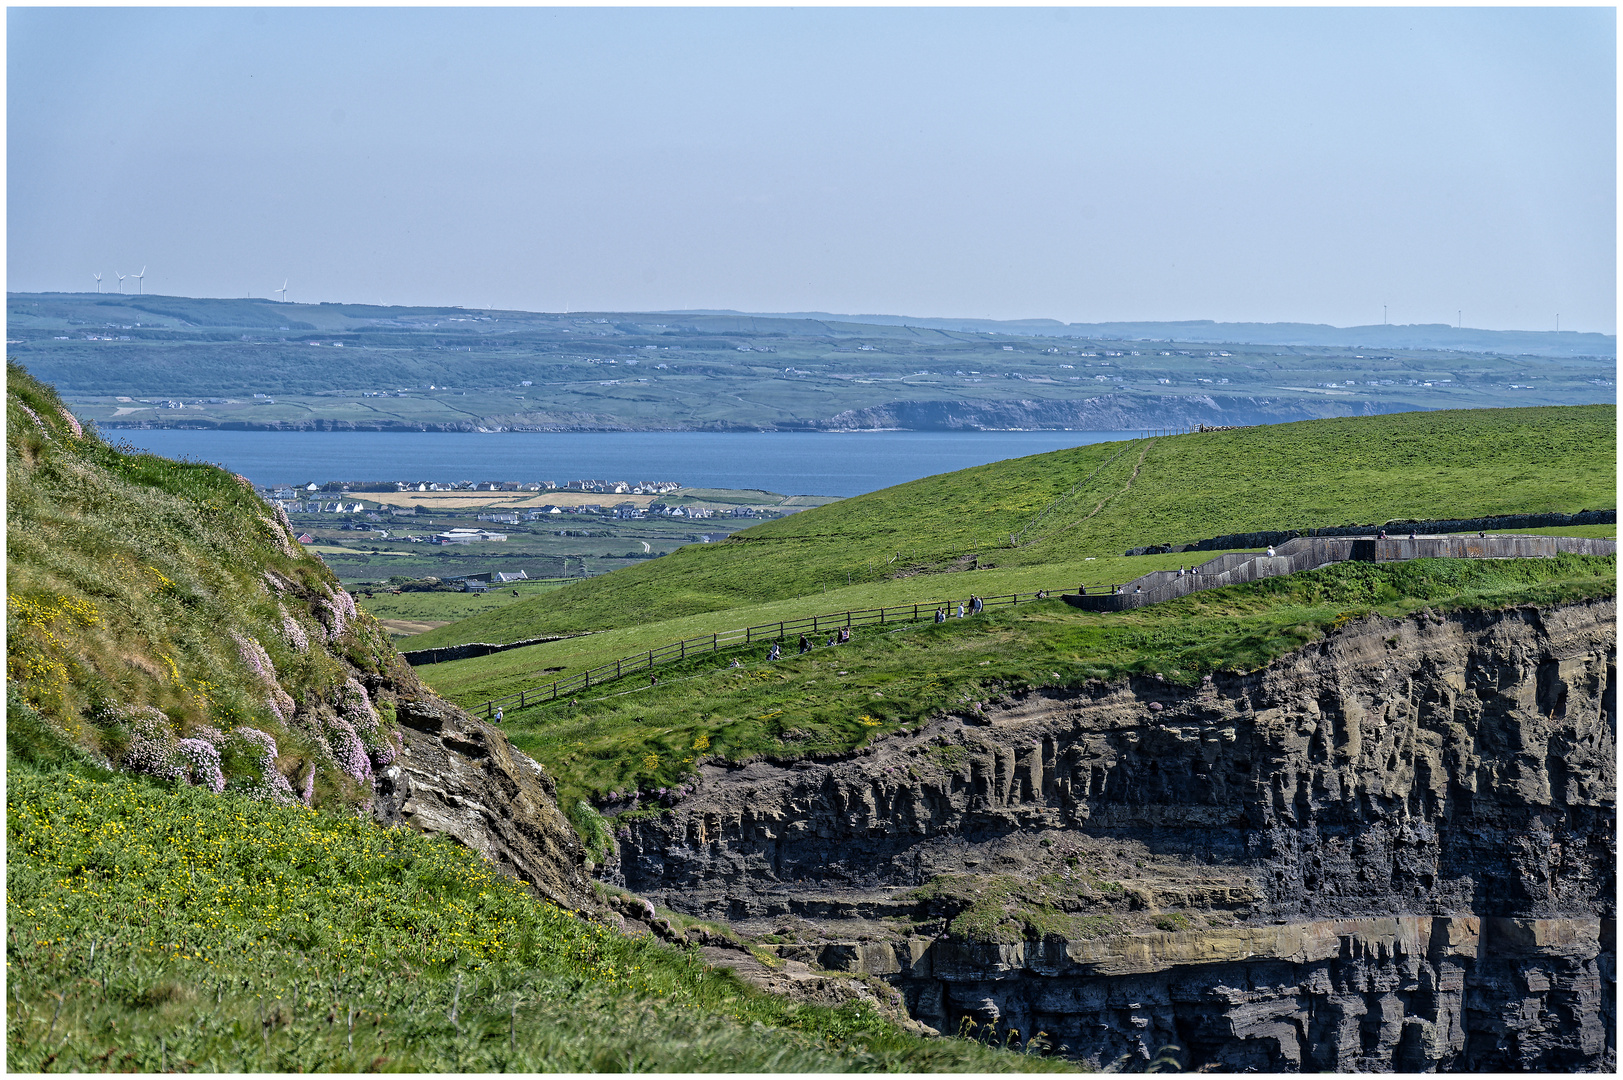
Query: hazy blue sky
column 1079, row 164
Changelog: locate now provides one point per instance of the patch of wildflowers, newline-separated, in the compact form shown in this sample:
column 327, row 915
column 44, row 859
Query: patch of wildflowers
column 72, row 421
column 203, row 764
column 296, row 637
column 272, row 785
column 152, row 749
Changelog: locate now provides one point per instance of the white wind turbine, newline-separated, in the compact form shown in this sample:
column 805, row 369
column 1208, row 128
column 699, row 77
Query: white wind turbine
column 141, row 277
column 98, row 281
column 282, row 290
column 120, row 278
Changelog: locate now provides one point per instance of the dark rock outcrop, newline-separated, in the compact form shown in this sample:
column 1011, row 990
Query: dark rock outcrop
column 1394, row 849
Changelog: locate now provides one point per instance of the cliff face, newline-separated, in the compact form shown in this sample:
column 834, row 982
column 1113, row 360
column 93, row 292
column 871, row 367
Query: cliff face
column 1393, row 850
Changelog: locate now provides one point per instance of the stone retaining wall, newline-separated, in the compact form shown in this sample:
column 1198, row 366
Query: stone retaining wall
column 1307, row 553
column 1447, row 525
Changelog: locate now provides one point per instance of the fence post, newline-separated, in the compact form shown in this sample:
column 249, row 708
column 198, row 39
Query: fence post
column 747, row 635
column 650, row 657
column 714, row 638
column 684, row 645
column 915, row 613
column 617, row 669
column 881, row 616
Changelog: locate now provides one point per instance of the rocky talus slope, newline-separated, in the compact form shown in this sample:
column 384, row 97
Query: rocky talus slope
column 1393, row 850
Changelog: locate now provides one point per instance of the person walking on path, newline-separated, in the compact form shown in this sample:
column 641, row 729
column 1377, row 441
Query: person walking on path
column 940, row 615
column 498, row 714
column 960, row 609
column 805, row 645
column 975, row 605
column 775, row 653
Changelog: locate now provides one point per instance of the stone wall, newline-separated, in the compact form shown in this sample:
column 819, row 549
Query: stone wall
column 1237, row 541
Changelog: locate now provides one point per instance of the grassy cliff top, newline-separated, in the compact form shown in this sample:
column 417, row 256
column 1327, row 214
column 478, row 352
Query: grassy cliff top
column 1099, row 500
column 628, row 736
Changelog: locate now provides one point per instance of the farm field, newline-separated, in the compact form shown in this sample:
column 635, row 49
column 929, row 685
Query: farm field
column 369, row 551
column 473, row 681
column 406, row 613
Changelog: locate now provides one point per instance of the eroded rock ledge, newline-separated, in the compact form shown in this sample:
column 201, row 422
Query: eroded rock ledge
column 1391, row 850
column 459, row 776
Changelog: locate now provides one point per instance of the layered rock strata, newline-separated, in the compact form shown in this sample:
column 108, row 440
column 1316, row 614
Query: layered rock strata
column 459, row 776
column 1394, row 849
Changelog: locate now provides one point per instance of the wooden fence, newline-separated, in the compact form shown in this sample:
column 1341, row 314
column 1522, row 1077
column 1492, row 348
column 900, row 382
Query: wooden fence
column 815, row 625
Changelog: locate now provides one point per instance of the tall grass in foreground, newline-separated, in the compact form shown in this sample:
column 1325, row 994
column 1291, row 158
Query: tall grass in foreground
column 152, row 928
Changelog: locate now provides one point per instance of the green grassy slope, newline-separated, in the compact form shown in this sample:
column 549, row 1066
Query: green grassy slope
column 628, row 736
column 152, row 601
column 154, row 929
column 1167, row 490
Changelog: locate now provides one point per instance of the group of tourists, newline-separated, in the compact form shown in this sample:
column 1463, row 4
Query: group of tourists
column 976, row 606
column 840, row 637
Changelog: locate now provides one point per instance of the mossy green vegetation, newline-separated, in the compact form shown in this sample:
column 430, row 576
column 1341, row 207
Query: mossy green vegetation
column 155, row 927
column 1100, row 500
column 162, row 619
column 1005, row 909
column 632, row 738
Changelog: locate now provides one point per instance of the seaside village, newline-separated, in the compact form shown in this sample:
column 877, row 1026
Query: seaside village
column 351, row 502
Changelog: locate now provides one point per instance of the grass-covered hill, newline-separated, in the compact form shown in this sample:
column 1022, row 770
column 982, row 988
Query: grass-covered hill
column 1095, row 502
column 158, row 927
column 161, row 619
column 195, row 712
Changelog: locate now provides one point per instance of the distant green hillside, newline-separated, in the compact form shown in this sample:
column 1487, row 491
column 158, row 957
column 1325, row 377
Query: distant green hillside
column 1101, row 499
column 174, row 361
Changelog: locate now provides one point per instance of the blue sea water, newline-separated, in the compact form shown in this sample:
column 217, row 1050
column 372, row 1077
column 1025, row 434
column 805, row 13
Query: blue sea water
column 789, row 463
